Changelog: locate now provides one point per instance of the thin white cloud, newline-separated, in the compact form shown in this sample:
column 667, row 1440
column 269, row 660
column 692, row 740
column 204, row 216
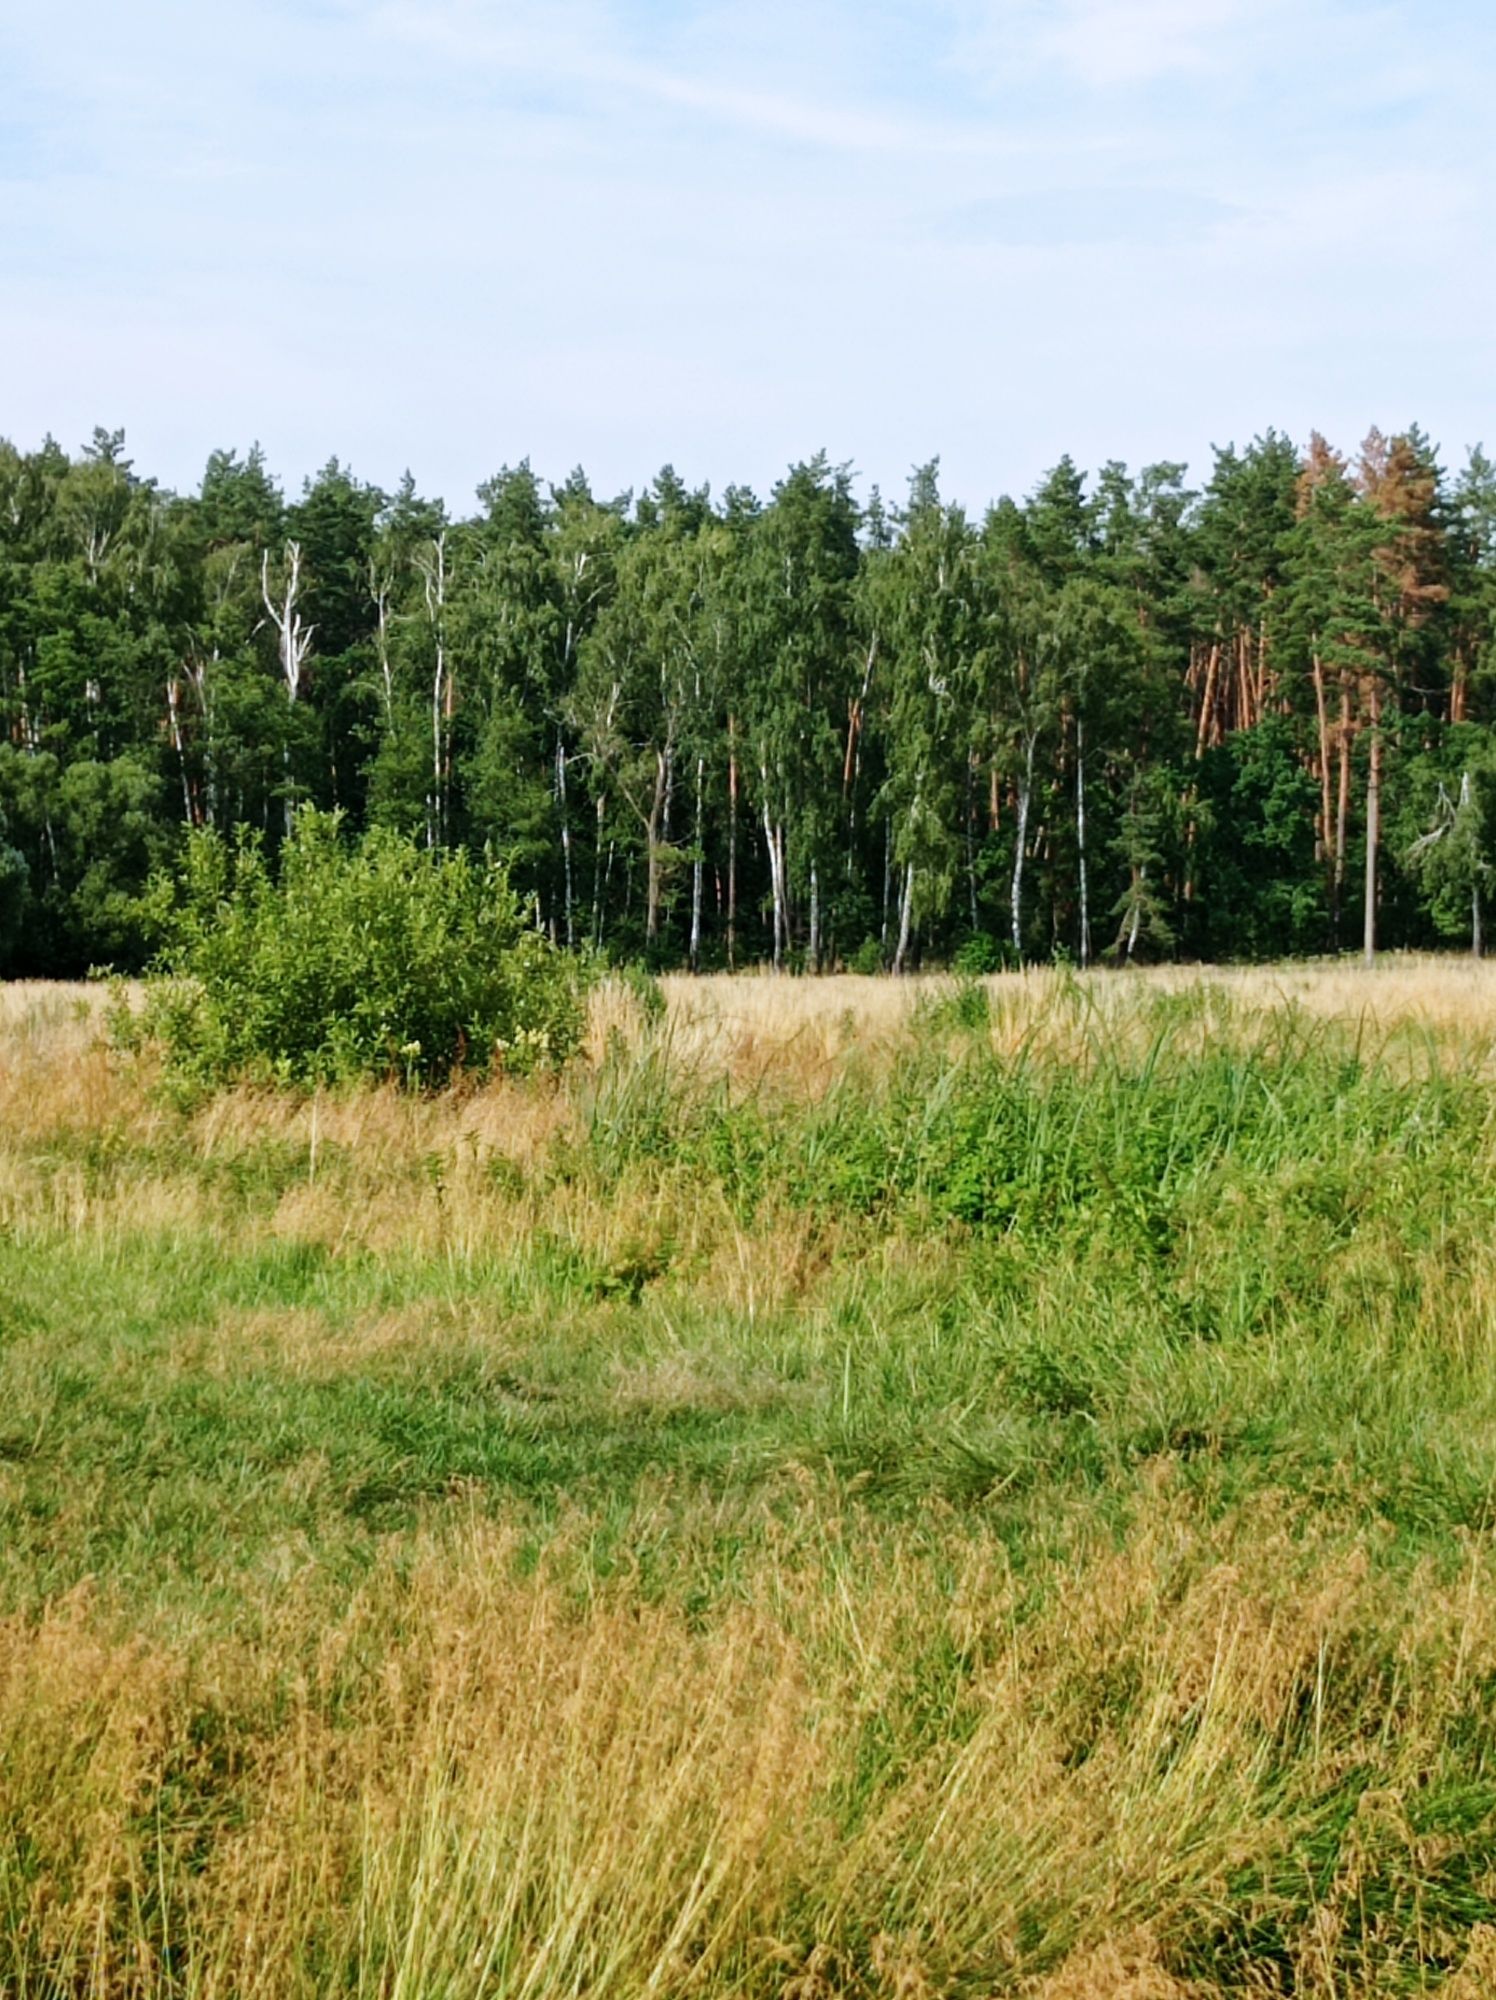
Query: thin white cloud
column 1118, row 42
column 579, row 49
column 455, row 231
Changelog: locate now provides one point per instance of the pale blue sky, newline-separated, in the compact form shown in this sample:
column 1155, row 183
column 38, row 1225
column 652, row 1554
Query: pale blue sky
column 451, row 233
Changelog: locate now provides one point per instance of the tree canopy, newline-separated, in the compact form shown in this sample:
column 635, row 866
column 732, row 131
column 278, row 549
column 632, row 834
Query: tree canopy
column 1117, row 718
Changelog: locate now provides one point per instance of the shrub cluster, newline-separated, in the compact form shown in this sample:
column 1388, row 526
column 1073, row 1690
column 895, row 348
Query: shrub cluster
column 377, row 959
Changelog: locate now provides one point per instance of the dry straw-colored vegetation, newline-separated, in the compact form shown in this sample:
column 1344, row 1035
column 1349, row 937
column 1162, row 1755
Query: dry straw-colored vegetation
column 855, row 1489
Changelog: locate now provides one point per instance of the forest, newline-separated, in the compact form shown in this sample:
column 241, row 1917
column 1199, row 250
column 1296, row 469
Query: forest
column 1119, row 719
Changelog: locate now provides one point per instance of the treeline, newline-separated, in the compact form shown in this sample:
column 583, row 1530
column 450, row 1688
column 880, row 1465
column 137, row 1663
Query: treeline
column 1118, row 719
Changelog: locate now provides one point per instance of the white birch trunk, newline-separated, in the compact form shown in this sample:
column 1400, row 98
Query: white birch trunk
column 433, row 568
column 569, row 918
column 1025, row 794
column 906, row 919
column 1080, row 835
column 696, row 869
column 1373, row 829
column 294, row 637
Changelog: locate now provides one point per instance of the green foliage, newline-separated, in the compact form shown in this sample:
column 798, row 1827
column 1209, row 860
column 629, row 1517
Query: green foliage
column 1453, row 858
column 375, row 960
column 965, row 1007
column 14, row 883
column 87, row 835
column 1262, row 890
column 1116, row 717
column 1132, row 1145
column 979, row 954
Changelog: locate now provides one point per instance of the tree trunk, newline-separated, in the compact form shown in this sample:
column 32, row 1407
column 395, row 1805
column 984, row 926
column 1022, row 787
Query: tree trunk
column 785, row 913
column 433, row 567
column 776, row 881
column 887, row 886
column 906, row 918
column 438, row 693
column 29, row 732
column 1080, row 837
column 379, row 592
column 173, row 706
column 1025, row 793
column 1264, row 677
column 732, row 846
column 1373, row 822
column 1322, row 715
column 565, row 817
column 198, row 675
column 852, row 761
column 696, row 870
column 1207, row 700
column 813, row 952
column 1342, row 810
column 652, row 849
column 597, row 877
column 294, row 636
column 1136, row 919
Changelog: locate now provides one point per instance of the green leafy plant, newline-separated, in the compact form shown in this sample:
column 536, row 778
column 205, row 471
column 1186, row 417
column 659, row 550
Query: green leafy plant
column 964, row 1006
column 372, row 960
column 980, row 954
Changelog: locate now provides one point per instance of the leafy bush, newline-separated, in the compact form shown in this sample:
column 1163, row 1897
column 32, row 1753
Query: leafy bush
column 980, row 953
column 372, row 960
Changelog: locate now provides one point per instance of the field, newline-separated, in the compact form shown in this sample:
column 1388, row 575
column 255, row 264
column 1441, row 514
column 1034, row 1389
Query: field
column 857, row 1489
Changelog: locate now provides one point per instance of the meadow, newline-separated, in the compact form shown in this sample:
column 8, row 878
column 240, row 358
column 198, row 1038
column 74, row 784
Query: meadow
column 856, row 1488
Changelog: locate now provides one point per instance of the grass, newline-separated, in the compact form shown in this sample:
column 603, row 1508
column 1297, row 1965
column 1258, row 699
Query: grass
column 858, row 1490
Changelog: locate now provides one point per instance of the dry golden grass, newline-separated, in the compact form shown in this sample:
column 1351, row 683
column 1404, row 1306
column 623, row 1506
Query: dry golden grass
column 752, row 1027
column 756, row 1025
column 457, row 1173
column 470, row 1782
column 810, row 1715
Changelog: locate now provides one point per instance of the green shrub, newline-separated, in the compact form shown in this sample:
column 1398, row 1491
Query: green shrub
column 377, row 959
column 980, row 953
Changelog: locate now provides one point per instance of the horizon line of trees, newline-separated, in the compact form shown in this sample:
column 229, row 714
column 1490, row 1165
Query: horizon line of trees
column 1116, row 719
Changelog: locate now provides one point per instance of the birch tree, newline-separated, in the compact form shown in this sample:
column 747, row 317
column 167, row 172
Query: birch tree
column 930, row 633
column 800, row 644
column 282, row 597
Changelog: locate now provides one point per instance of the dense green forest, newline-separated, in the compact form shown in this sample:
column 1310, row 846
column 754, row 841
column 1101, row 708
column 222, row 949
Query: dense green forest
column 1121, row 718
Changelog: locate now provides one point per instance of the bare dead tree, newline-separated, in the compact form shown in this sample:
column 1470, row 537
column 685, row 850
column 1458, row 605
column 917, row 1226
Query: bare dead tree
column 293, row 634
column 432, row 563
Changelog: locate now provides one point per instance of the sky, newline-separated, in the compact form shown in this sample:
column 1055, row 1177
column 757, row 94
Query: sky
column 452, row 234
